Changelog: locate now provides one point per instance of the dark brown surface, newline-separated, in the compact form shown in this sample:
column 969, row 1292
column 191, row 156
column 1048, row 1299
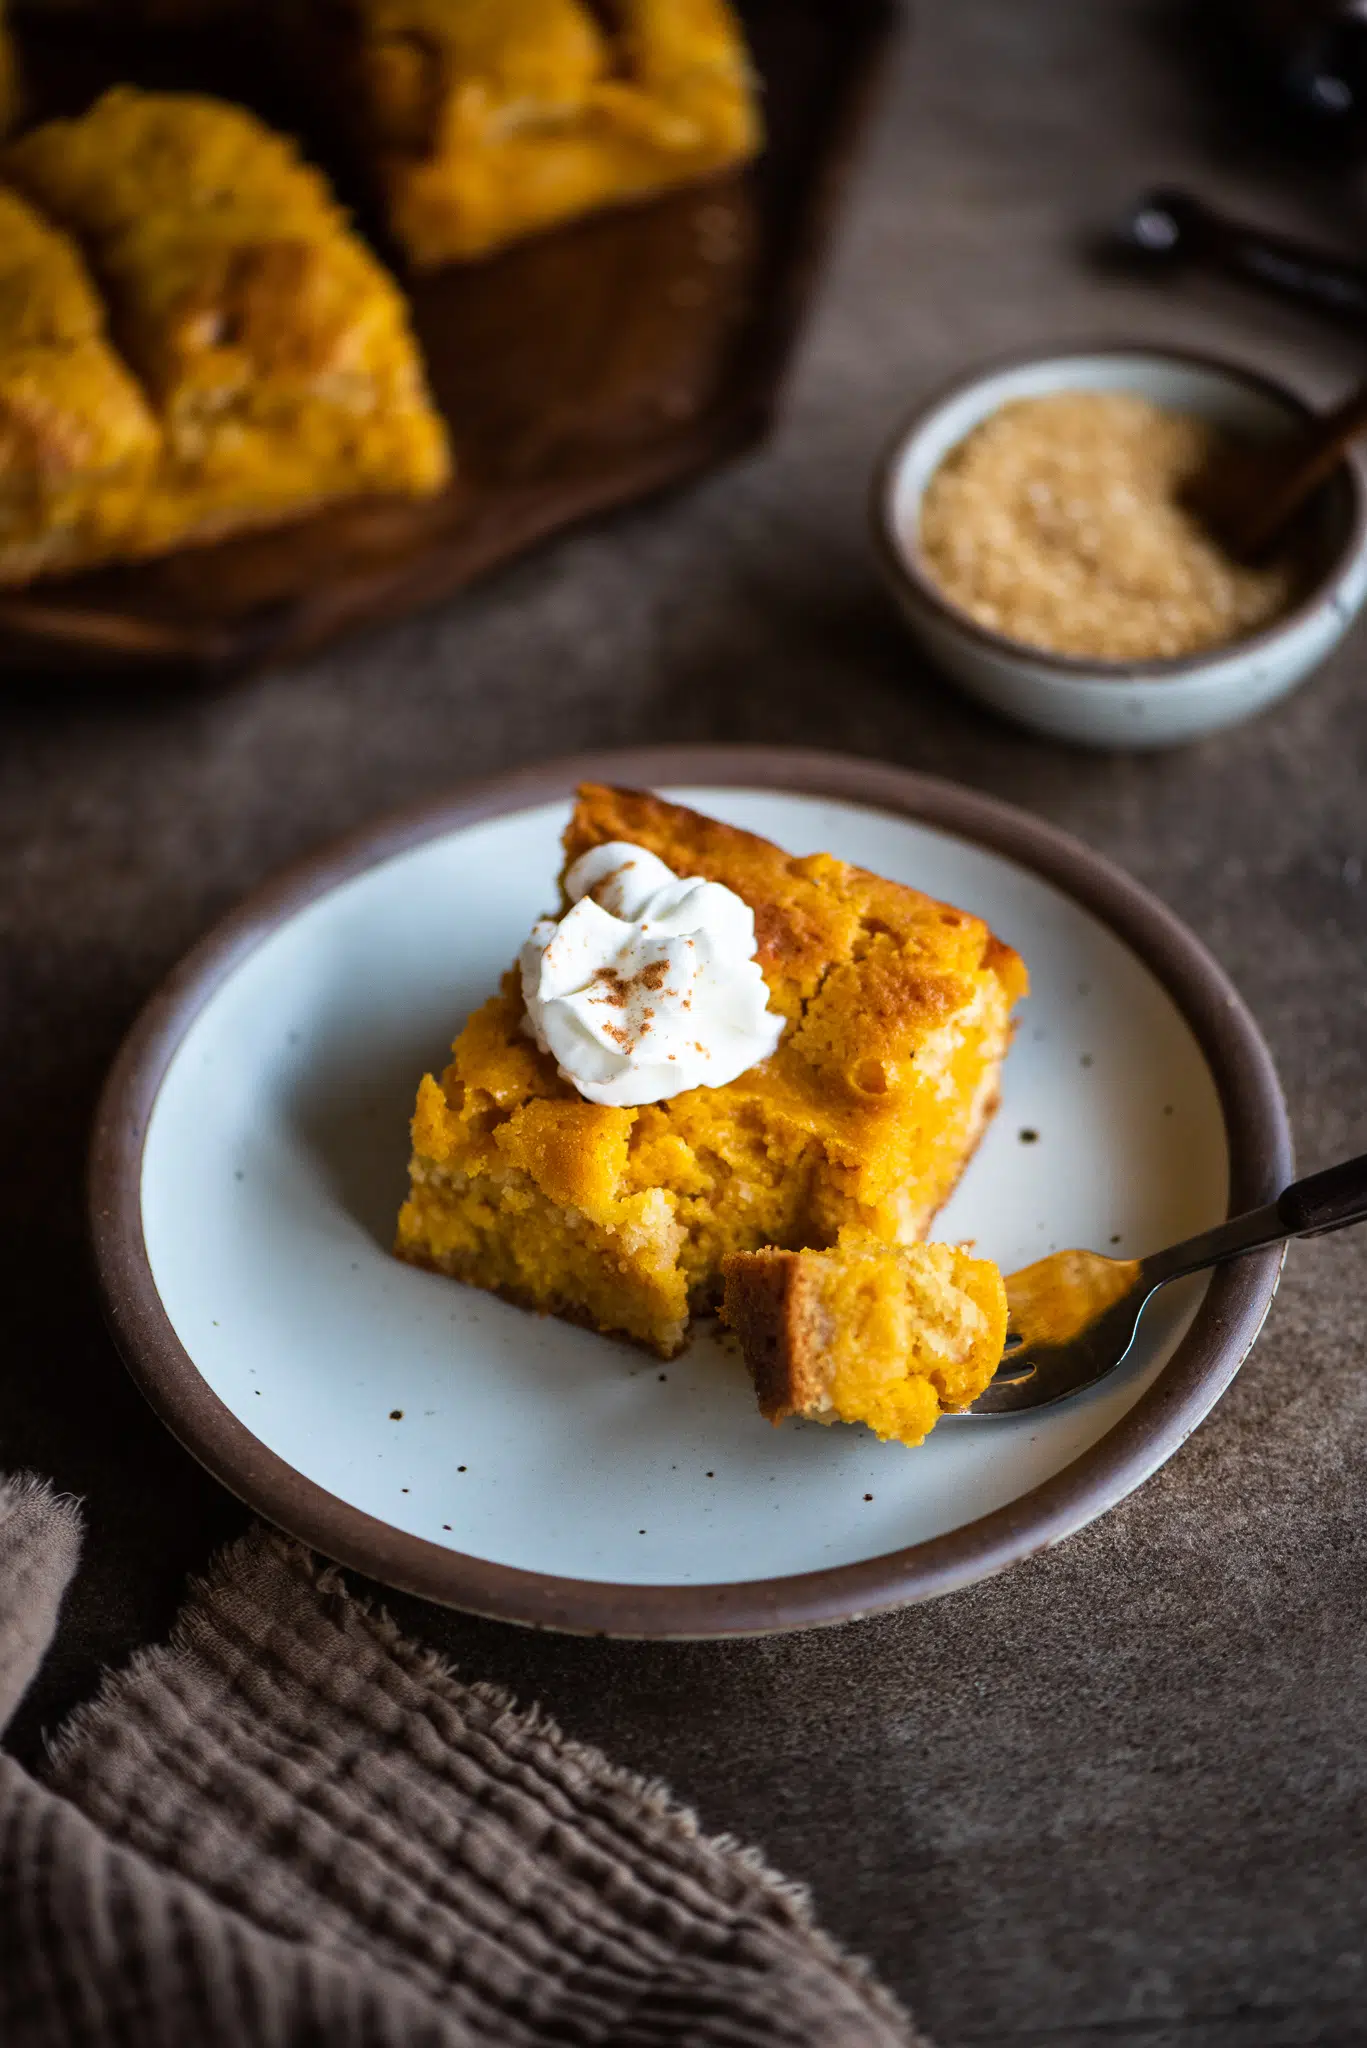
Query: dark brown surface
column 1225, row 1325
column 577, row 371
column 1117, row 1797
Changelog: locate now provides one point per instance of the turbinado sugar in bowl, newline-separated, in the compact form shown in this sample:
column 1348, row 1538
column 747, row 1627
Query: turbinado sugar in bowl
column 1060, row 522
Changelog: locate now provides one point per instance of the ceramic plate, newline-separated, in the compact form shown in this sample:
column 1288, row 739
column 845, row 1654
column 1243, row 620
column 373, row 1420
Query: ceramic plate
column 249, row 1160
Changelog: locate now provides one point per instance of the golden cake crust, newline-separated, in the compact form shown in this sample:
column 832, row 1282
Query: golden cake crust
column 77, row 440
column 811, row 911
column 487, row 120
column 274, row 349
column 770, row 1309
column 897, row 1018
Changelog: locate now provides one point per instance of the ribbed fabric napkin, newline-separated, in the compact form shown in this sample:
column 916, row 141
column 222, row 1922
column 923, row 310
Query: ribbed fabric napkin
column 292, row 1826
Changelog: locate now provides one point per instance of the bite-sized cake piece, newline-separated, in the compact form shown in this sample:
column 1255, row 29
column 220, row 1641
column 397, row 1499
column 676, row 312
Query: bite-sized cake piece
column 77, row 441
column 486, row 120
column 274, row 348
column 891, row 1015
column 891, row 1335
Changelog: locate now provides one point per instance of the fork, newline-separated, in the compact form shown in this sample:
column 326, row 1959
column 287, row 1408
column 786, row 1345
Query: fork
column 1038, row 1369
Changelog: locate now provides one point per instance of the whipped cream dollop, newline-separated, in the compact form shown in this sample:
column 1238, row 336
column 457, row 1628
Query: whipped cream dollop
column 649, row 984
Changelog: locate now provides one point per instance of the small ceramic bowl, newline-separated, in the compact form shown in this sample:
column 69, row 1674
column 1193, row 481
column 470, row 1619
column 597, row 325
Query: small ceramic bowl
column 1139, row 703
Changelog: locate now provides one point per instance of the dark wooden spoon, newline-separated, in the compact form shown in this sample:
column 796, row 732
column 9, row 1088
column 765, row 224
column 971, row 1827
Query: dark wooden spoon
column 1249, row 496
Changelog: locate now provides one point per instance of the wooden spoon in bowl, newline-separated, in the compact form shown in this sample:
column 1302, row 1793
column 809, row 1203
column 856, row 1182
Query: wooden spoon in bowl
column 1249, row 496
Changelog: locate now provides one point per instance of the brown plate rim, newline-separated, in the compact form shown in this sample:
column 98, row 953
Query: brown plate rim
column 1207, row 1359
column 903, row 567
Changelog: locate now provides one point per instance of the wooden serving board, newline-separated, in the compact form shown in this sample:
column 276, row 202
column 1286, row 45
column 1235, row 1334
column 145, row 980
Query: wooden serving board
column 577, row 372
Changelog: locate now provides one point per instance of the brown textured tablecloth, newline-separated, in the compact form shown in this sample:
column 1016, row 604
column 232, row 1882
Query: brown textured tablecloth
column 1118, row 1797
column 291, row 1825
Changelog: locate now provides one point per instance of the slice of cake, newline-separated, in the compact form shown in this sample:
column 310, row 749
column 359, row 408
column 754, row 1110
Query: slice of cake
column 891, row 1335
column 485, row 120
column 756, row 1050
column 77, row 441
column 274, row 350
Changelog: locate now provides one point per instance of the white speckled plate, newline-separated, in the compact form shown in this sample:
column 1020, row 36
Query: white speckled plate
column 249, row 1160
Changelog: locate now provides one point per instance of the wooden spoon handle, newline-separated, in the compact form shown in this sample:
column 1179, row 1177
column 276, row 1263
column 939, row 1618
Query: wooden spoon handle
column 1262, row 517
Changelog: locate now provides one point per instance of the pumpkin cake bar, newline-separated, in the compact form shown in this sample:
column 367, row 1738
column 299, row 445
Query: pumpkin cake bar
column 895, row 1018
column 485, row 120
column 77, row 439
column 894, row 1336
column 273, row 349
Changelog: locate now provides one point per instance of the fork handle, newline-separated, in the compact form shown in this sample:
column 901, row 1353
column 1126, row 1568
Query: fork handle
column 1326, row 1201
column 1308, row 1208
